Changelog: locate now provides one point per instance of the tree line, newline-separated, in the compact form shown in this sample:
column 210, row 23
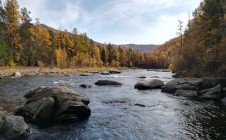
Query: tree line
column 203, row 48
column 24, row 43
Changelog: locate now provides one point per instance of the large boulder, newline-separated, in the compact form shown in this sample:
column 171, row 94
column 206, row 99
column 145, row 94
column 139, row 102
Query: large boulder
column 54, row 105
column 213, row 93
column 149, row 84
column 40, row 111
column 108, row 82
column 182, row 83
column 186, row 93
column 15, row 128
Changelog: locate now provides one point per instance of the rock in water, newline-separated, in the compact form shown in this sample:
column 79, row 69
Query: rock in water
column 86, row 74
column 108, row 82
column 40, row 111
column 114, row 72
column 85, row 86
column 149, row 84
column 15, row 127
column 54, row 105
column 213, row 93
column 182, row 83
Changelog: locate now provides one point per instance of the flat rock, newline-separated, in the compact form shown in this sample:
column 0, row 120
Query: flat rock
column 182, row 83
column 186, row 93
column 108, row 82
column 55, row 105
column 149, row 84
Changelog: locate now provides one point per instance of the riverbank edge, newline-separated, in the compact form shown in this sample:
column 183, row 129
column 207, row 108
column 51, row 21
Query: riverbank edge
column 27, row 70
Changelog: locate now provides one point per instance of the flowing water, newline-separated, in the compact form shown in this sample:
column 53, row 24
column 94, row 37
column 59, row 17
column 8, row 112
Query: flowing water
column 116, row 115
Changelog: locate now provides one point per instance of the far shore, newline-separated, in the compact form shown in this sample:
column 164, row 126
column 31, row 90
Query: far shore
column 9, row 70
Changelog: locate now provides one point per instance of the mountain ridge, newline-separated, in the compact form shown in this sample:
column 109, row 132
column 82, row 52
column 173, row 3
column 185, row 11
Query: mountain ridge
column 145, row 48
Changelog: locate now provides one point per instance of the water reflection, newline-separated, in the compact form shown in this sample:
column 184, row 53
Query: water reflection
column 115, row 114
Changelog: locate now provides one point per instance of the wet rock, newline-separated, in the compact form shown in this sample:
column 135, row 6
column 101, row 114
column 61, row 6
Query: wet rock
column 182, row 83
column 114, row 72
column 85, row 86
column 39, row 112
column 105, row 73
column 186, row 93
column 149, row 84
column 108, row 82
column 15, row 128
column 213, row 93
column 142, row 77
column 140, row 105
column 203, row 91
column 86, row 74
column 54, row 104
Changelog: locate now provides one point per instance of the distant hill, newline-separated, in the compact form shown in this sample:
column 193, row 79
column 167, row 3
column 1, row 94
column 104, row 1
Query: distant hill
column 143, row 48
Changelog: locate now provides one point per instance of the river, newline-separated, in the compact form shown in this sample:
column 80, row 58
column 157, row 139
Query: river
column 115, row 114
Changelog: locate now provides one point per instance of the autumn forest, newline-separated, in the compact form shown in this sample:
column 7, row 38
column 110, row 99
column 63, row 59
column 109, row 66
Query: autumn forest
column 26, row 44
column 198, row 51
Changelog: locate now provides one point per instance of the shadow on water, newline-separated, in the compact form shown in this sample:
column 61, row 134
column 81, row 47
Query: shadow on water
column 124, row 112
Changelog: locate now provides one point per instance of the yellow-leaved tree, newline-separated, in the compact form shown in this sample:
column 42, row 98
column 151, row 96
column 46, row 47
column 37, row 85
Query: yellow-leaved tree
column 12, row 37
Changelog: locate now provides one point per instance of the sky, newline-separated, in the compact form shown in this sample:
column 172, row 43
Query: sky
column 115, row 21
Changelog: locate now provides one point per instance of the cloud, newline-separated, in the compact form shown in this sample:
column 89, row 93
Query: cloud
column 115, row 21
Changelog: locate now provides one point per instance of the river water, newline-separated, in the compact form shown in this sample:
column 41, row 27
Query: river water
column 115, row 114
